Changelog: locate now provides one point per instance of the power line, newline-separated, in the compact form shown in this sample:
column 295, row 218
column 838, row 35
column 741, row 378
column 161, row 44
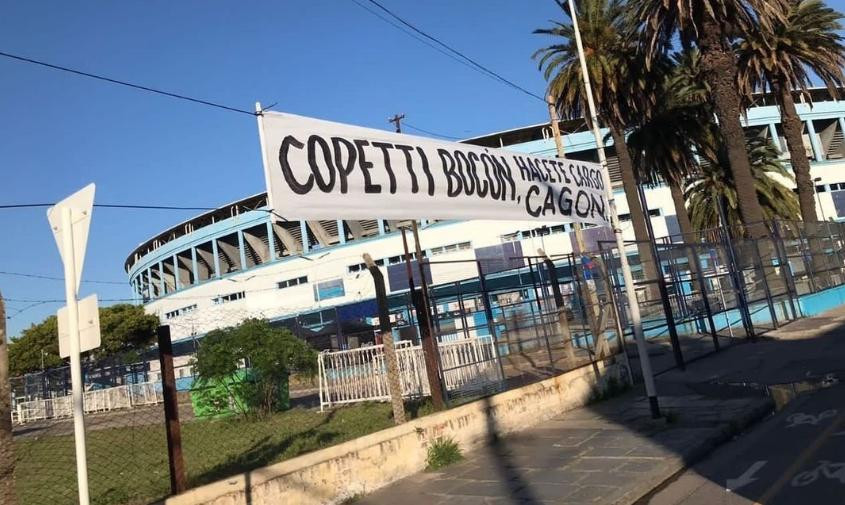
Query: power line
column 110, row 206
column 51, row 278
column 409, row 125
column 413, row 35
column 454, row 51
column 125, row 83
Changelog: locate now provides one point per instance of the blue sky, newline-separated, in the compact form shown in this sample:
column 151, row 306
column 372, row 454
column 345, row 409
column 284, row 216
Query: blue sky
column 323, row 58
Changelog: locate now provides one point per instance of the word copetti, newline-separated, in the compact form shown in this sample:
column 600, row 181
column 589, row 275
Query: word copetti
column 321, row 170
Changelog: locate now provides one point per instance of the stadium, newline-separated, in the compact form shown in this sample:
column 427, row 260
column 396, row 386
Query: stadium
column 241, row 261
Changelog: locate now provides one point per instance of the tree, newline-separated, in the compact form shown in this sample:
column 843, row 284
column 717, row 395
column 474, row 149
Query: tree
column 715, row 183
column 7, row 447
column 663, row 142
column 620, row 87
column 781, row 55
column 269, row 353
column 124, row 330
column 711, row 25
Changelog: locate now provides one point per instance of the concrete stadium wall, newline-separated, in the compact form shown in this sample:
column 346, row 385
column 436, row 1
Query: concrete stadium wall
column 359, row 466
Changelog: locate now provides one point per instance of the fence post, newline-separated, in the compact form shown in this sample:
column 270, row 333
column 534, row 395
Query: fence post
column 786, row 269
column 387, row 342
column 808, row 265
column 563, row 322
column 739, row 285
column 765, row 284
column 661, row 284
column 178, row 483
column 702, row 286
column 488, row 314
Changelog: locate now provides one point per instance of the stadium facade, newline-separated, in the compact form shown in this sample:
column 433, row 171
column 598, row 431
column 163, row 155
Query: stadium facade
column 241, row 261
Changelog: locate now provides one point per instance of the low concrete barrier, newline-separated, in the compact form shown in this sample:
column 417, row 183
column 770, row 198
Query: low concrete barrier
column 360, row 466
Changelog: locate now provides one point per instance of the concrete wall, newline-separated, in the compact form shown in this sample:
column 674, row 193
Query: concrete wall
column 359, row 466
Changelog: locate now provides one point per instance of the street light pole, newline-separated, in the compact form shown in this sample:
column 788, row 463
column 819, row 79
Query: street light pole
column 633, row 303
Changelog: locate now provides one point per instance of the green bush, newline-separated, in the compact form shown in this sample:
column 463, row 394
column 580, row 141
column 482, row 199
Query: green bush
column 268, row 353
column 443, row 452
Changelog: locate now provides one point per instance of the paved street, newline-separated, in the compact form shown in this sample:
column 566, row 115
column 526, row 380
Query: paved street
column 797, row 456
column 613, row 453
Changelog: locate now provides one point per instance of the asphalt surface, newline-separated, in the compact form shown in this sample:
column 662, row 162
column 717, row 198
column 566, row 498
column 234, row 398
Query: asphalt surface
column 796, row 456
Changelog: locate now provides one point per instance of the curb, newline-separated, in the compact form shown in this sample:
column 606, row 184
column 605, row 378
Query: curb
column 722, row 433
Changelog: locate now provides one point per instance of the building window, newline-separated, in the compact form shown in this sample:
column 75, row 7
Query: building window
column 293, row 282
column 361, row 267
column 328, row 289
column 231, row 297
column 460, row 246
column 180, row 312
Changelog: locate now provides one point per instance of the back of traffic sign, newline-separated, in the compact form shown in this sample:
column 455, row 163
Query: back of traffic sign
column 81, row 204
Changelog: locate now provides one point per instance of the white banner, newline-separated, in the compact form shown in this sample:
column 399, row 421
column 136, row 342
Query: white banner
column 323, row 170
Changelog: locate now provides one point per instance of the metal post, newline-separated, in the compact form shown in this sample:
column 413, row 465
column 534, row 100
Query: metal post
column 733, row 269
column 539, row 310
column 178, row 482
column 633, row 303
column 808, row 265
column 661, row 284
column 703, row 287
column 785, row 268
column 430, row 353
column 488, row 313
column 759, row 261
column 77, row 387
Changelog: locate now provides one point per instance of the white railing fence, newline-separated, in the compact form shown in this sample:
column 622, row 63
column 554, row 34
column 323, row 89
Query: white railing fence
column 98, row 400
column 359, row 375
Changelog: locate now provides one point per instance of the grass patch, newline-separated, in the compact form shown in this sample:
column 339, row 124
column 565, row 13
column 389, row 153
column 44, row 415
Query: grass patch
column 613, row 388
column 443, row 452
column 128, row 465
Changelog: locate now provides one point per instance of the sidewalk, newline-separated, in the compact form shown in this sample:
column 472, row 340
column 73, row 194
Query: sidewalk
column 612, row 452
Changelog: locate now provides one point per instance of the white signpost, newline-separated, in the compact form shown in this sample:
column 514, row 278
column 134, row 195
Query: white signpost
column 70, row 220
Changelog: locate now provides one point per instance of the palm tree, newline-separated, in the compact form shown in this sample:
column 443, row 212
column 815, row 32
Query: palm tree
column 715, row 183
column 710, row 25
column 619, row 87
column 663, row 143
column 781, row 55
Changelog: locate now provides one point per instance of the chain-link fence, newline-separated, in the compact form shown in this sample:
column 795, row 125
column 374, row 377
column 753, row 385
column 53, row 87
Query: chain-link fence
column 124, row 426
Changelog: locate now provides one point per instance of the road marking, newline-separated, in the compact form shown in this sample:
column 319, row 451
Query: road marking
column 746, row 478
column 800, row 418
column 800, row 461
column 824, row 469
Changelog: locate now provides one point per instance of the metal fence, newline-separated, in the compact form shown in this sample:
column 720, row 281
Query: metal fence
column 468, row 367
column 98, row 400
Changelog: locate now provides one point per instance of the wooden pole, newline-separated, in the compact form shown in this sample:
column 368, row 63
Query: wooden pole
column 7, row 447
column 588, row 294
column 427, row 339
column 393, row 385
column 178, row 482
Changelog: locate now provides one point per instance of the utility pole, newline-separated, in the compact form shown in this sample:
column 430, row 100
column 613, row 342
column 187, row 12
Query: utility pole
column 7, row 448
column 397, row 120
column 633, row 302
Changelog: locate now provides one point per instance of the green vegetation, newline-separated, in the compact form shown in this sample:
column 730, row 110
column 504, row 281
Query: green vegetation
column 443, row 452
column 124, row 329
column 270, row 354
column 128, row 465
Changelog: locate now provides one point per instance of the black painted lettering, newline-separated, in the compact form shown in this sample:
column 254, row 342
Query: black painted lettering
column 287, row 171
column 365, row 167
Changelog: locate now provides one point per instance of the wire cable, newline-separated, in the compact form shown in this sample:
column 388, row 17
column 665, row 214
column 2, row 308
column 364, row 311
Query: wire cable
column 51, row 278
column 409, row 125
column 454, row 51
column 110, row 206
column 125, row 83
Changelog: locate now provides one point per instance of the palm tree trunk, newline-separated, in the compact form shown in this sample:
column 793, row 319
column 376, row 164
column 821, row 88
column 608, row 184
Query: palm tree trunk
column 720, row 70
column 680, row 203
column 635, row 208
column 793, row 130
column 7, row 448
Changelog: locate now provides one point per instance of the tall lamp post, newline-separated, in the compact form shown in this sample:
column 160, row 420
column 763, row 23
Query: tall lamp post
column 633, row 303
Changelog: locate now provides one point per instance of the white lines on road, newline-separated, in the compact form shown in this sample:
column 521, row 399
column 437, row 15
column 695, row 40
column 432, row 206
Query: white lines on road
column 746, row 478
column 826, row 469
column 800, row 418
